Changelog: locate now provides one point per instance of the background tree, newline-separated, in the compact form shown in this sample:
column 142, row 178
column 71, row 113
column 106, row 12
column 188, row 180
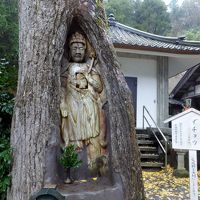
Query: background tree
column 190, row 19
column 9, row 31
column 190, row 14
column 123, row 10
column 152, row 16
column 175, row 17
column 193, row 34
column 185, row 19
column 44, row 26
column 147, row 15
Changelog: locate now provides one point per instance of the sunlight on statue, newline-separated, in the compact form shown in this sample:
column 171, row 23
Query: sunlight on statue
column 83, row 120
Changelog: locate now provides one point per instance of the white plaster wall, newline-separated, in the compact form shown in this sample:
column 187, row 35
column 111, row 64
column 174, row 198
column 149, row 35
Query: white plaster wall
column 146, row 72
column 177, row 62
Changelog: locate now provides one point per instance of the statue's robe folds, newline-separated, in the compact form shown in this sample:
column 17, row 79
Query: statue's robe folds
column 81, row 106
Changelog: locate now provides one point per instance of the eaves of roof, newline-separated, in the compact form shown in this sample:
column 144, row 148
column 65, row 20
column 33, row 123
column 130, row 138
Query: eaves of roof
column 130, row 38
column 156, row 49
column 188, row 78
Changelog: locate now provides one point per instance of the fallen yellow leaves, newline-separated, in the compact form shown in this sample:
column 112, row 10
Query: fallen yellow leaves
column 162, row 185
column 83, row 181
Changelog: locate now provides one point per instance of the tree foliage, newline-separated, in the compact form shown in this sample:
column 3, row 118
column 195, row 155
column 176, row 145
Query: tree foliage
column 8, row 55
column 5, row 160
column 8, row 30
column 8, row 82
column 155, row 17
column 190, row 14
column 123, row 10
column 185, row 19
column 152, row 16
column 8, row 61
column 193, row 34
column 147, row 15
column 175, row 13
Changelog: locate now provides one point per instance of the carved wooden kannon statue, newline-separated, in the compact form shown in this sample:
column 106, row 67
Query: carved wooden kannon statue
column 82, row 98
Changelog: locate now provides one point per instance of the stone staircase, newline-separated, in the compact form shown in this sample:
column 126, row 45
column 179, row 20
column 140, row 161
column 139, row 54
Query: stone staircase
column 151, row 155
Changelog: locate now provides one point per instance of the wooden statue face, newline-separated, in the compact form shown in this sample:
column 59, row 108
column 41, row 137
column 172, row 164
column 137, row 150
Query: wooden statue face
column 77, row 51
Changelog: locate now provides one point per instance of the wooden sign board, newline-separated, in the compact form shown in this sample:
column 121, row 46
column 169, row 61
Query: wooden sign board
column 186, row 130
column 186, row 135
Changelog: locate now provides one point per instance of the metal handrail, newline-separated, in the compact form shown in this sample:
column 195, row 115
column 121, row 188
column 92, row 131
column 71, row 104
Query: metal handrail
column 164, row 149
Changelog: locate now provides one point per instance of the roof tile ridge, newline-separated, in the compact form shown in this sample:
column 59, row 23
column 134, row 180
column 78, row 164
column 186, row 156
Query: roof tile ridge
column 174, row 40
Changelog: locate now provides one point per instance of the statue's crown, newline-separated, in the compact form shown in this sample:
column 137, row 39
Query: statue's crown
column 77, row 37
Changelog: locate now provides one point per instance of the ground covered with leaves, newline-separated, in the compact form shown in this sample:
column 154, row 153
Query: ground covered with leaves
column 162, row 185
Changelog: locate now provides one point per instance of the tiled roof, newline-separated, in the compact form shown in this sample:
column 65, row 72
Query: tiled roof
column 126, row 37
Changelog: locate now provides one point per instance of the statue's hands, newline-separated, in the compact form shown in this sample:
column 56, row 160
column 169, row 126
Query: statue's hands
column 81, row 81
column 73, row 81
column 88, row 77
column 64, row 113
column 83, row 84
column 94, row 81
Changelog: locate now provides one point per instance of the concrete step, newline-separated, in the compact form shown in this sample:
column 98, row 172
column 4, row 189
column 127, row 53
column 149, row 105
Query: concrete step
column 143, row 136
column 152, row 164
column 148, row 148
column 141, row 131
column 149, row 156
column 147, row 142
column 166, row 131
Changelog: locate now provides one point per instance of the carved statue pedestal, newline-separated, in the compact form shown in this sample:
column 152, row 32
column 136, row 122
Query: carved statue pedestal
column 100, row 189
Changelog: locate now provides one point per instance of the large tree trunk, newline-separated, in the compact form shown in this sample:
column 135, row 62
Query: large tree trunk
column 44, row 26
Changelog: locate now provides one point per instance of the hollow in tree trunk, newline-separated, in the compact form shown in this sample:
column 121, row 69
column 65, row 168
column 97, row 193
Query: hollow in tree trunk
column 35, row 139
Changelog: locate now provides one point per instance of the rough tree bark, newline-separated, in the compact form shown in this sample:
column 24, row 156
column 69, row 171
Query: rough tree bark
column 44, row 26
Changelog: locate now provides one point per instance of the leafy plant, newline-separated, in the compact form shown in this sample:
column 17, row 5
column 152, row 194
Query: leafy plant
column 5, row 165
column 8, row 82
column 69, row 158
column 193, row 34
column 9, row 30
column 7, row 103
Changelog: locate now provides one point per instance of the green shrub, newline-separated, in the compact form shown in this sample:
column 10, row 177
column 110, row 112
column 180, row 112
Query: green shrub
column 5, row 165
column 69, row 157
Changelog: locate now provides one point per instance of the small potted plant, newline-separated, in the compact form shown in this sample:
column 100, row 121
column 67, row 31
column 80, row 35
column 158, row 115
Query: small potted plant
column 69, row 159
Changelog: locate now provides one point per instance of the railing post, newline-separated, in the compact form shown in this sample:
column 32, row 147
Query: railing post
column 165, row 154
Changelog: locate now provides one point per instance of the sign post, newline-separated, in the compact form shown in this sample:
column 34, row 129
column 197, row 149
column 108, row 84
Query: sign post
column 186, row 136
column 193, row 175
